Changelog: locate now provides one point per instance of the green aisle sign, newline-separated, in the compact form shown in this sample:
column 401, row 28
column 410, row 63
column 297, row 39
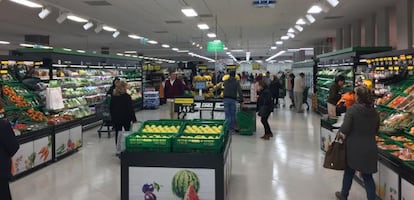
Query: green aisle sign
column 215, row 46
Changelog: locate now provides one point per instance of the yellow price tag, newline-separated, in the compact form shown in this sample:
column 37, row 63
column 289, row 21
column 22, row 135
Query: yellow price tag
column 4, row 62
column 4, row 72
column 395, row 58
column 410, row 67
column 184, row 101
column 390, row 68
column 396, row 68
column 409, row 56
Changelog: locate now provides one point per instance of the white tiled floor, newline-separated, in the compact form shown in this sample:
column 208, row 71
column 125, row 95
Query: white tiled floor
column 288, row 167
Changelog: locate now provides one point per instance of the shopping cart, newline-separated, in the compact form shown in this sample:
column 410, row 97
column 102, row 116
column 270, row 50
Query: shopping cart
column 102, row 112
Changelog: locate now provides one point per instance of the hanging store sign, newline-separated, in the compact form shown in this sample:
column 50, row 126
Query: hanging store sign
column 215, row 46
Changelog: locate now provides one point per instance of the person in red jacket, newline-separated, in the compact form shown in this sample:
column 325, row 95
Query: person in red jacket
column 8, row 147
column 173, row 88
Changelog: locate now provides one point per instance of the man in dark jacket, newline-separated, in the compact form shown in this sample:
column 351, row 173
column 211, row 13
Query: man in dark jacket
column 174, row 87
column 335, row 93
column 232, row 92
column 8, row 147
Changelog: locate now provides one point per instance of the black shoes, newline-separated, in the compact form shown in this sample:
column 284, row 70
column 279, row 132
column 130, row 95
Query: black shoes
column 339, row 196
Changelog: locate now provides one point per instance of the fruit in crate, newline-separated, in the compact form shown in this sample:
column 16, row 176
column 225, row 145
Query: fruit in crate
column 404, row 154
column 383, row 145
column 397, row 101
column 411, row 131
column 152, row 136
column 379, row 139
column 384, row 99
column 409, row 145
column 400, row 138
column 199, row 137
column 160, row 129
column 182, row 180
column 409, row 90
column 36, row 116
column 401, row 120
column 203, row 129
column 18, row 100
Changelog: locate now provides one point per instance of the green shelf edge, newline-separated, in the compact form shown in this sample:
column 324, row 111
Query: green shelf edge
column 354, row 49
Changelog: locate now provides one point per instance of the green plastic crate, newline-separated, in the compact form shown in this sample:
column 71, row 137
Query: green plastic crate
column 203, row 145
column 148, row 144
column 162, row 123
column 246, row 122
column 222, row 123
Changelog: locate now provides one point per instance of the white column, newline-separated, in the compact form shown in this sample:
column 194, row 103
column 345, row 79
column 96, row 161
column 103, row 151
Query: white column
column 339, row 39
column 383, row 26
column 370, row 30
column 347, row 36
column 404, row 24
column 356, row 34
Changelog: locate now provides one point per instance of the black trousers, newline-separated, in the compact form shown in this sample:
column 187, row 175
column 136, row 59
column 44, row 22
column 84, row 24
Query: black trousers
column 5, row 189
column 264, row 119
column 118, row 127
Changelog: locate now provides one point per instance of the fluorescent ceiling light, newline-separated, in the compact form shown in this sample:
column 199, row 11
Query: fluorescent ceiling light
column 237, row 50
column 165, row 46
column 175, row 49
column 201, row 47
column 27, row 3
column 203, row 26
column 133, row 36
column 307, row 49
column 225, row 48
column 228, row 53
column 4, row 42
column 130, row 51
column 134, row 56
column 127, row 55
column 98, row 28
column 153, row 42
column 310, row 18
column 81, row 51
column 193, row 43
column 27, row 45
column 285, row 37
column 273, row 47
column 77, row 19
column 182, row 51
column 291, row 35
column 66, row 49
column 315, row 9
column 108, row 28
column 87, row 26
column 276, row 55
column 293, row 50
column 189, row 12
column 291, row 30
column 300, row 21
column 202, row 57
column 62, row 17
column 119, row 54
column 211, row 35
column 116, row 34
column 299, row 28
column 333, row 3
column 279, row 42
column 44, row 13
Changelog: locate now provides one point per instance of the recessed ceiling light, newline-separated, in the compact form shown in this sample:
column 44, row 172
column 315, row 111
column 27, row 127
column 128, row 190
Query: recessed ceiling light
column 62, row 17
column 153, row 42
column 225, row 48
column 44, row 13
column 135, row 56
column 228, row 53
column 291, row 30
column 27, row 3
column 119, row 54
column 285, row 37
column 315, row 9
column 276, row 55
column 279, row 42
column 197, row 45
column 237, row 50
column 81, row 51
column 183, row 51
column 77, row 19
column 131, row 52
column 116, row 34
column 66, row 49
column 300, row 21
column 98, row 28
column 27, row 45
column 310, row 18
column 87, row 26
column 165, row 46
column 175, row 49
column 127, row 55
column 211, row 35
column 189, row 12
column 132, row 36
column 291, row 35
column 299, row 28
column 108, row 28
column 273, row 47
column 333, row 3
column 203, row 26
column 201, row 47
column 4, row 42
column 193, row 43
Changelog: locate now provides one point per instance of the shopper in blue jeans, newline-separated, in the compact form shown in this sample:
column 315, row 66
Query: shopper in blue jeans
column 232, row 92
column 360, row 127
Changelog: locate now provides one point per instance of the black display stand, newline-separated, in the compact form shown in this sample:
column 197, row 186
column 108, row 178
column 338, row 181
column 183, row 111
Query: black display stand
column 220, row 163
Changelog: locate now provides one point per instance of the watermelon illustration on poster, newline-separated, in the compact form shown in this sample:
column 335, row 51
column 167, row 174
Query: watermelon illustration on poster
column 152, row 183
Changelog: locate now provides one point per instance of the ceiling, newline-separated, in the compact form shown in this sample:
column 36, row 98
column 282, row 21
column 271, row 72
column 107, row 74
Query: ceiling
column 239, row 24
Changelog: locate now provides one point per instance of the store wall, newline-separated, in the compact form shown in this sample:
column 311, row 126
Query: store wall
column 393, row 27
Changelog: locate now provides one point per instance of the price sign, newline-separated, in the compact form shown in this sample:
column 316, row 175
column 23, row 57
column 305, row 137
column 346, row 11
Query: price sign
column 200, row 85
column 184, row 105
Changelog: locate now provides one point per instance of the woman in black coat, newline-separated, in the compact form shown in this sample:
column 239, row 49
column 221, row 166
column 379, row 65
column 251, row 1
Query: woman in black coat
column 275, row 87
column 122, row 112
column 265, row 107
column 360, row 127
column 8, row 147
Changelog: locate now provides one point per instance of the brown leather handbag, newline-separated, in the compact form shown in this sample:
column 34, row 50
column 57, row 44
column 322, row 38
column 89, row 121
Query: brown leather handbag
column 335, row 157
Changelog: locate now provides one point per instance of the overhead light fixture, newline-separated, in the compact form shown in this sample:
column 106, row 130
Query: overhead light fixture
column 44, row 13
column 76, row 18
column 306, row 49
column 108, row 28
column 120, row 54
column 127, row 55
column 299, row 28
column 237, row 50
column 202, row 57
column 211, row 35
column 133, row 36
column 27, row 3
column 273, row 47
column 315, row 9
column 248, row 56
column 300, row 21
column 134, row 56
column 333, row 3
column 81, row 51
column 279, row 42
column 62, row 17
column 66, row 49
column 182, row 51
column 293, row 50
column 197, row 45
column 87, row 26
column 175, row 49
column 225, row 48
column 115, row 34
column 228, row 53
column 285, row 37
column 291, row 35
column 27, row 45
column 291, row 30
column 275, row 56
column 310, row 18
column 165, row 46
column 201, row 47
column 4, row 42
column 203, row 26
column 153, row 42
column 130, row 52
column 189, row 12
column 99, row 28
column 193, row 43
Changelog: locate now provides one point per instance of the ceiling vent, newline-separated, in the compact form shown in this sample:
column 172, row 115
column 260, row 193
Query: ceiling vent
column 160, row 31
column 98, row 3
column 264, row 4
column 173, row 22
column 332, row 17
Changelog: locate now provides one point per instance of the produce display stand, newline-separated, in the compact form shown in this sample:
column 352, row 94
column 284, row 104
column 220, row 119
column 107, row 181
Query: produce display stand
column 140, row 165
column 212, row 107
column 344, row 62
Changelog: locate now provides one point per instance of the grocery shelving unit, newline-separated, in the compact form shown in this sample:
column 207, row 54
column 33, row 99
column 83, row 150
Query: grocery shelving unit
column 345, row 62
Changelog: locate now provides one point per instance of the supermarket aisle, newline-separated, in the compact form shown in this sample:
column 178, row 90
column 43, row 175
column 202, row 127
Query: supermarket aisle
column 286, row 167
